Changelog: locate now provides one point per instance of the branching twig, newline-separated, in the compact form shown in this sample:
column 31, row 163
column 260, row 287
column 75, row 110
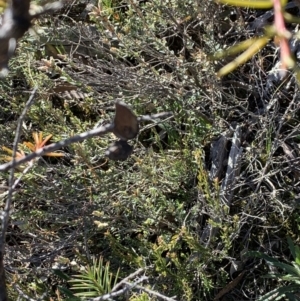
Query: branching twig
column 100, row 131
column 118, row 285
column 116, row 291
column 55, row 146
column 122, row 291
column 130, row 286
column 5, row 213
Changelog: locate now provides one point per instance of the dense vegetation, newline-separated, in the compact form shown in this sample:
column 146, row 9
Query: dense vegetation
column 82, row 223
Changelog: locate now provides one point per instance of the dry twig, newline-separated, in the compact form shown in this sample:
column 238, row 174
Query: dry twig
column 5, row 213
column 100, row 131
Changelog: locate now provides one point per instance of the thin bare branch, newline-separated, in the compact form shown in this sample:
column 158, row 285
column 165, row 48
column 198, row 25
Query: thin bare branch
column 133, row 275
column 5, row 213
column 129, row 286
column 55, row 146
column 100, row 131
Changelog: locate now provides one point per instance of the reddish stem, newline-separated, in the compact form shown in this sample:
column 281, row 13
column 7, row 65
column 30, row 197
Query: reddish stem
column 285, row 53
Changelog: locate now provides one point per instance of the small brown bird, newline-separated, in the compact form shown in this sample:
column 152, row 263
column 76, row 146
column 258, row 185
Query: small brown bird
column 126, row 124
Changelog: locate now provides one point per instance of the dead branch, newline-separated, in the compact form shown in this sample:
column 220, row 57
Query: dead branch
column 122, row 149
column 5, row 213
